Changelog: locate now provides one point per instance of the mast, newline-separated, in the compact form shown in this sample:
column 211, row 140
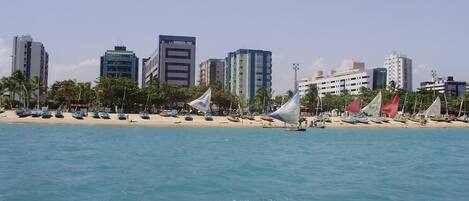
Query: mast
column 146, row 103
column 446, row 103
column 37, row 98
column 123, row 99
column 460, row 107
column 24, row 98
column 415, row 104
column 79, row 97
column 405, row 101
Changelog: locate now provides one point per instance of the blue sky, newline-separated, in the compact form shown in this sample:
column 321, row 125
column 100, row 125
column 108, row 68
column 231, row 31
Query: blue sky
column 315, row 34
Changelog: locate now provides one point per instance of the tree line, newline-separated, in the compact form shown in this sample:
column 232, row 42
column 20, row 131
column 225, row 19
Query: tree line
column 108, row 92
column 411, row 101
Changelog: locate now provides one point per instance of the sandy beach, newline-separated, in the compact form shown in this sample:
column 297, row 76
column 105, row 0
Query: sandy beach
column 9, row 117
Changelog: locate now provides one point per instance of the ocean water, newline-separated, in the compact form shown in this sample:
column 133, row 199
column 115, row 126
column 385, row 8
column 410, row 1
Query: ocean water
column 50, row 162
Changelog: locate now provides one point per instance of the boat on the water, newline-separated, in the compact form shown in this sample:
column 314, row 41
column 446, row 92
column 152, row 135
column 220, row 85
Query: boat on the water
column 290, row 113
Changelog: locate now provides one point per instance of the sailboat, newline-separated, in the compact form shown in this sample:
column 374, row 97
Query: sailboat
column 95, row 114
column 418, row 116
column 37, row 112
column 121, row 115
column 434, row 112
column 249, row 115
column 232, row 117
column 290, row 113
column 59, row 114
column 400, row 117
column 464, row 117
column 374, row 108
column 320, row 118
column 105, row 115
column 353, row 108
column 203, row 104
column 144, row 114
column 78, row 114
column 390, row 109
column 46, row 114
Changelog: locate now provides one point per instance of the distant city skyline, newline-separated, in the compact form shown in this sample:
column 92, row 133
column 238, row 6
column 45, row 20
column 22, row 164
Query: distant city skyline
column 317, row 35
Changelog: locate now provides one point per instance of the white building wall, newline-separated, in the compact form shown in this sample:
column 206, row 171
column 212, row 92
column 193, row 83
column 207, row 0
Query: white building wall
column 399, row 70
column 336, row 85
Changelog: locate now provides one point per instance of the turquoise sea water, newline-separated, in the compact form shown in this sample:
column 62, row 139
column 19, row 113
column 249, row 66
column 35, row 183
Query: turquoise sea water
column 46, row 162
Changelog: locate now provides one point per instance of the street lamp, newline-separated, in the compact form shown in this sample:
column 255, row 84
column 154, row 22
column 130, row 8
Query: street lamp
column 296, row 68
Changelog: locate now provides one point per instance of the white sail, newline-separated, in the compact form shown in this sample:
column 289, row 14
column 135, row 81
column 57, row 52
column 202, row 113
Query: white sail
column 434, row 109
column 290, row 111
column 374, row 107
column 203, row 102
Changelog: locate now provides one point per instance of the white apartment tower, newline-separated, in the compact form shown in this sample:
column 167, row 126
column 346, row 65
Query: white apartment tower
column 399, row 70
column 350, row 80
column 31, row 58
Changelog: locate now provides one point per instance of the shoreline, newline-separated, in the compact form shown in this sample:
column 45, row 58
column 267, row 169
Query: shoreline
column 9, row 117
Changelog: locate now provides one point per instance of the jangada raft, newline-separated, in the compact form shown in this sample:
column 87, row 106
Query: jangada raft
column 290, row 113
column 202, row 104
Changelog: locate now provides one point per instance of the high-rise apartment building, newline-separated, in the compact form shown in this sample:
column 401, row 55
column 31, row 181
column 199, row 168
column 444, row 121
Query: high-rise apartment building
column 119, row 63
column 31, row 58
column 399, row 70
column 173, row 62
column 210, row 71
column 246, row 71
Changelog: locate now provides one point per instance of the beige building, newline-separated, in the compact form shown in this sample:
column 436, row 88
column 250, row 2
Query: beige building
column 210, row 71
column 351, row 78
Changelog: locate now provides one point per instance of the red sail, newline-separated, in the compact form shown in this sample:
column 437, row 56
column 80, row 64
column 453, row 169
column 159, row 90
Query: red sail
column 355, row 106
column 391, row 107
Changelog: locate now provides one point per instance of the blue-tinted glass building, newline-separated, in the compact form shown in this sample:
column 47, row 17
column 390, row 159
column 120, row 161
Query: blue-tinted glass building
column 120, row 63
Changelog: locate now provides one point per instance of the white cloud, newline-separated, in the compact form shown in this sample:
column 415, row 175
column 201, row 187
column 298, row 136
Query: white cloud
column 87, row 70
column 5, row 59
column 318, row 63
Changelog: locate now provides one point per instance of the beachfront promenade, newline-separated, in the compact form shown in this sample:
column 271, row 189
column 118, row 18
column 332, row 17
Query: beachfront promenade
column 9, row 117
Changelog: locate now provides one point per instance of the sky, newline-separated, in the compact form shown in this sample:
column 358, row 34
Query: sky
column 318, row 35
